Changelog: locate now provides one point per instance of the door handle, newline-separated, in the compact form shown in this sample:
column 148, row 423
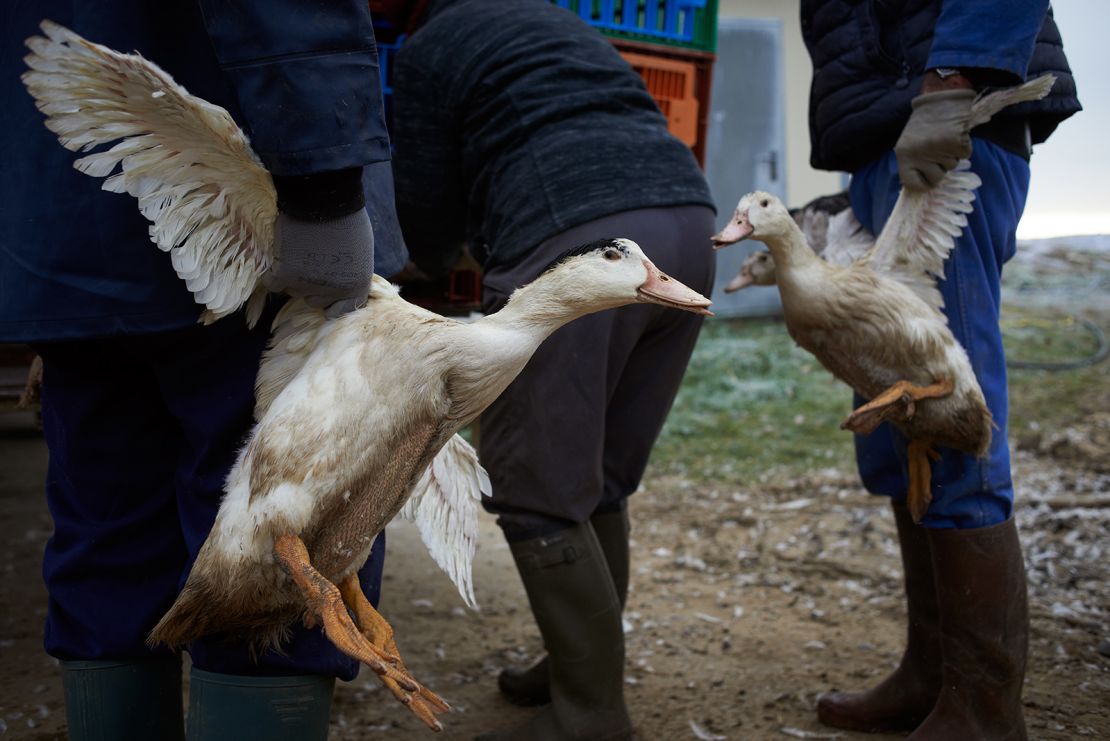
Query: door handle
column 771, row 158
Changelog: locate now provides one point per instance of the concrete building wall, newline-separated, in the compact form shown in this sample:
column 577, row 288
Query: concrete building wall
column 802, row 181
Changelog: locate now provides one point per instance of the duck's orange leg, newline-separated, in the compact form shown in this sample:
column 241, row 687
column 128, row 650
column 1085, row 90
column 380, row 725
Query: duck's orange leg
column 325, row 604
column 897, row 400
column 424, row 703
column 920, row 494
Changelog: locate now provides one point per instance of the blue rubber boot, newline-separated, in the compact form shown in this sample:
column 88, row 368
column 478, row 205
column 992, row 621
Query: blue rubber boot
column 110, row 700
column 229, row 707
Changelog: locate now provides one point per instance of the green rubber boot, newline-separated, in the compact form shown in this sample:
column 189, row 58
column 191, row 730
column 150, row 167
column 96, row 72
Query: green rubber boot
column 574, row 601
column 228, row 707
column 111, row 700
column 530, row 686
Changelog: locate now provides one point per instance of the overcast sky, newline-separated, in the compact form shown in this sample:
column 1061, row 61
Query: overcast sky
column 1070, row 189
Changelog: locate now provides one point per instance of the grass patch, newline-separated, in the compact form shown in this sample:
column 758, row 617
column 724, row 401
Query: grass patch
column 754, row 406
column 1052, row 399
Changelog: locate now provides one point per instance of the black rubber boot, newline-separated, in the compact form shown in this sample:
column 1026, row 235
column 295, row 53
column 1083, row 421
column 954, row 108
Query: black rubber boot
column 984, row 635
column 109, row 700
column 228, row 707
column 902, row 700
column 530, row 686
column 576, row 607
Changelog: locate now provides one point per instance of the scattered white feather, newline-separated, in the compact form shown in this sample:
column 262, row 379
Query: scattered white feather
column 705, row 735
column 799, row 733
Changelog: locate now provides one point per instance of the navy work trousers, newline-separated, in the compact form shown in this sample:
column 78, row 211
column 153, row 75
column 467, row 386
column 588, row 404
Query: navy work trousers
column 571, row 435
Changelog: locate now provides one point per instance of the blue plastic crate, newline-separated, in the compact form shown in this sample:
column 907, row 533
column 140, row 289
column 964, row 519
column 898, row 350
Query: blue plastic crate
column 683, row 23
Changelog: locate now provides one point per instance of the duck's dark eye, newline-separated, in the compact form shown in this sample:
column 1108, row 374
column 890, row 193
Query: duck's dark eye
column 612, row 254
column 764, row 203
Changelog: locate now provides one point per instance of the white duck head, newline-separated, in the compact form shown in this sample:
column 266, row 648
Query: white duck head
column 757, row 270
column 759, row 216
column 596, row 276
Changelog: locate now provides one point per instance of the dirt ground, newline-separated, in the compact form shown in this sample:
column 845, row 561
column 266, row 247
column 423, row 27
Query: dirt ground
column 746, row 603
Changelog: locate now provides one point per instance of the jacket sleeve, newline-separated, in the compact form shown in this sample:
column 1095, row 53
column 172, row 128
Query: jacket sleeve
column 431, row 200
column 306, row 76
column 987, row 34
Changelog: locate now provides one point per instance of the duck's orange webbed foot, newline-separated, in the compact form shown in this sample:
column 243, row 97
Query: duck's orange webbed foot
column 325, row 605
column 424, row 703
column 897, row 401
column 920, row 494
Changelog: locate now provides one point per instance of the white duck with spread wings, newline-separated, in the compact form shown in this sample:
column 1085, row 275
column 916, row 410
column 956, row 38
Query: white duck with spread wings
column 874, row 320
column 352, row 412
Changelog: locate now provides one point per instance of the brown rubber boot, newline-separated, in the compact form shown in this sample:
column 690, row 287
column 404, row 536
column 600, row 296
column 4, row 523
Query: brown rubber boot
column 575, row 604
column 902, row 700
column 984, row 635
column 530, row 686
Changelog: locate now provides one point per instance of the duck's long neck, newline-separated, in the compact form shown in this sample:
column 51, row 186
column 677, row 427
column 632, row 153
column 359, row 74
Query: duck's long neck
column 540, row 308
column 502, row 343
column 790, row 252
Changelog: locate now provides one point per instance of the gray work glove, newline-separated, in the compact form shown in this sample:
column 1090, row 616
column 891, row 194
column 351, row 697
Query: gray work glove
column 327, row 263
column 935, row 139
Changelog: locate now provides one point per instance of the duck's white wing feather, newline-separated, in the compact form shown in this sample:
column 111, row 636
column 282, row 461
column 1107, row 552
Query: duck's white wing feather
column 988, row 104
column 846, row 240
column 211, row 203
column 444, row 506
column 922, row 231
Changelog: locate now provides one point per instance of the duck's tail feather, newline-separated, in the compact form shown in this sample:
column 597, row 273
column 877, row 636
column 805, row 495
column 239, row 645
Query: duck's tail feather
column 204, row 608
column 210, row 202
column 986, row 106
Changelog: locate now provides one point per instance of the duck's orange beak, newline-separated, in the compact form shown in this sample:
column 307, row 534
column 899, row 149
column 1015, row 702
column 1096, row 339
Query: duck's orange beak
column 660, row 288
column 737, row 229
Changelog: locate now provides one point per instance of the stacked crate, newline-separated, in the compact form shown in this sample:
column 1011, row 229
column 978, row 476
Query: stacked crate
column 671, row 43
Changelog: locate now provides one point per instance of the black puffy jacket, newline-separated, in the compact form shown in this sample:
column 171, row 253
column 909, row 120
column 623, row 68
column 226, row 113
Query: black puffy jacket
column 869, row 57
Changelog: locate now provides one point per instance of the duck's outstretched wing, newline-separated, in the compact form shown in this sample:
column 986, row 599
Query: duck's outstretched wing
column 211, row 203
column 444, row 505
column 922, row 231
column 924, row 225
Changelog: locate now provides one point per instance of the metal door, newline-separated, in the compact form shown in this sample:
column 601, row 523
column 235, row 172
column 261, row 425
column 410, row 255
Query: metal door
column 745, row 145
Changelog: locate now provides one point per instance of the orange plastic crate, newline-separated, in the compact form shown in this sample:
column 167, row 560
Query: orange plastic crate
column 671, row 83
